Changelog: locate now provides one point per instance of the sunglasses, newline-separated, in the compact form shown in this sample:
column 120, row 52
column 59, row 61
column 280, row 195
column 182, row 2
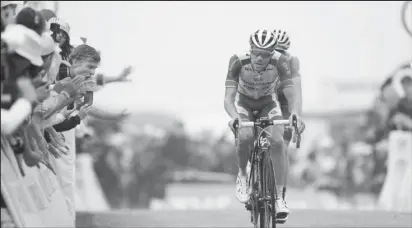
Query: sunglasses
column 262, row 53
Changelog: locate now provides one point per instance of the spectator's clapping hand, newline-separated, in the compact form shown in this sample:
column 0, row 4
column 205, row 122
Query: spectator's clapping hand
column 56, row 144
column 87, row 85
column 43, row 92
column 60, row 85
column 66, row 112
column 71, row 86
column 84, row 110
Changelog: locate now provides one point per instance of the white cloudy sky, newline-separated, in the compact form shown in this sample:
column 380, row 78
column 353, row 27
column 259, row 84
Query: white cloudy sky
column 180, row 50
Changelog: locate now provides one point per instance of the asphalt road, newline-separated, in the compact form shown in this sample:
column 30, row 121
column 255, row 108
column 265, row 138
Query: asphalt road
column 240, row 218
column 209, row 205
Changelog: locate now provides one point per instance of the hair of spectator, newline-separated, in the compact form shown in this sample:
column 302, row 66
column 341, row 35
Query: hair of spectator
column 84, row 52
column 32, row 19
column 47, row 14
column 66, row 47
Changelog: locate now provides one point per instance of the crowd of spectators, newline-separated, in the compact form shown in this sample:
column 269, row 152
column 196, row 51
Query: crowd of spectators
column 47, row 87
column 353, row 158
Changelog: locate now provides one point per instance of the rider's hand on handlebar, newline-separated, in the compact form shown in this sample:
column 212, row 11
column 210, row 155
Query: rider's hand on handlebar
column 300, row 125
column 232, row 122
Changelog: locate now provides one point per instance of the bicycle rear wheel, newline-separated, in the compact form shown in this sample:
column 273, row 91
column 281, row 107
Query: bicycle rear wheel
column 268, row 206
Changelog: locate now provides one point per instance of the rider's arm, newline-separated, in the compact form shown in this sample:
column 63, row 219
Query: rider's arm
column 232, row 80
column 296, row 80
column 287, row 86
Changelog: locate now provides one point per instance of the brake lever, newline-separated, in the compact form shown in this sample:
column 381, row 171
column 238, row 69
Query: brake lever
column 295, row 126
column 235, row 127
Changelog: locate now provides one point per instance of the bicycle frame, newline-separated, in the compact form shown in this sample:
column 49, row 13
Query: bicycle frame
column 258, row 182
column 258, row 156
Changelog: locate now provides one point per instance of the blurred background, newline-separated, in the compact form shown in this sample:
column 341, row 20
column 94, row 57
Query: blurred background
column 174, row 150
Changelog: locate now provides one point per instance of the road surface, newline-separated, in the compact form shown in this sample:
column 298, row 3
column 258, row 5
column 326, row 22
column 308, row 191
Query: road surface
column 209, row 205
column 240, row 218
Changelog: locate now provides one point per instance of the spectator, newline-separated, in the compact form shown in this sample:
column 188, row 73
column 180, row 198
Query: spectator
column 84, row 60
column 61, row 34
column 9, row 10
column 402, row 114
column 32, row 19
column 22, row 62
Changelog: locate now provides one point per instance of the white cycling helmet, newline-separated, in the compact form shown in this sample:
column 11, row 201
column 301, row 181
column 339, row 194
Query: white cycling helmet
column 283, row 39
column 263, row 38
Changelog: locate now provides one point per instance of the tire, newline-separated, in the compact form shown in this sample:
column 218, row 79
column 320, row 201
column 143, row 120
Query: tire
column 272, row 190
column 267, row 216
column 254, row 211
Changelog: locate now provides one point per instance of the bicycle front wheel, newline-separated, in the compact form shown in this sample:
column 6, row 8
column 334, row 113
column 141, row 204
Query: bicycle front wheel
column 268, row 209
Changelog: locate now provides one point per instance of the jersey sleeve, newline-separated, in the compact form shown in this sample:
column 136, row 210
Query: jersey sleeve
column 294, row 67
column 285, row 74
column 232, row 78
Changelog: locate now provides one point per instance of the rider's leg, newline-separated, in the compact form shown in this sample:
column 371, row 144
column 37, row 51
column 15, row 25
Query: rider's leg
column 278, row 151
column 245, row 141
column 277, row 147
column 287, row 136
column 245, row 138
column 243, row 146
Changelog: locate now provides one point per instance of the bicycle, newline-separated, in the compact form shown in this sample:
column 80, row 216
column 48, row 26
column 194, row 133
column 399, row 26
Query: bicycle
column 263, row 193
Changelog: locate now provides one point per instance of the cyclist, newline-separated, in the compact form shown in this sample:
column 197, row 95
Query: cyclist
column 250, row 87
column 282, row 46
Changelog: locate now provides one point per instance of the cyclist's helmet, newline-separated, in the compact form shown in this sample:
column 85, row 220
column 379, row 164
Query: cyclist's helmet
column 263, row 39
column 283, row 39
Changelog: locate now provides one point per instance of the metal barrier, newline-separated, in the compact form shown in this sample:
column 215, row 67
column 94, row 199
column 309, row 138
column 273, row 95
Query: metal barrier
column 35, row 199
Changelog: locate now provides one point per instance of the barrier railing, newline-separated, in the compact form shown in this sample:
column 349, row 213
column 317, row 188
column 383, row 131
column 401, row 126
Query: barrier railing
column 35, row 199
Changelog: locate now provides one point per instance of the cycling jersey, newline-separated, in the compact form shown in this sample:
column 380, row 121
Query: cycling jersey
column 256, row 90
column 294, row 66
column 255, row 84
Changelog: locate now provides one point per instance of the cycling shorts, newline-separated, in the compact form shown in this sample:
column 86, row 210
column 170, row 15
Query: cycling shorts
column 250, row 109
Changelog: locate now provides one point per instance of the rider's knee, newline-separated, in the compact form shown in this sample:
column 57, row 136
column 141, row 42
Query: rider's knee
column 245, row 136
column 276, row 140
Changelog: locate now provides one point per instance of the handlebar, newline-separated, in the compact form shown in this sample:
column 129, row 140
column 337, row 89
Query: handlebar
column 265, row 122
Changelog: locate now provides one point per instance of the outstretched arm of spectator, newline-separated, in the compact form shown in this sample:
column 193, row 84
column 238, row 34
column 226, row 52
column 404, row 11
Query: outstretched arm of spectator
column 101, row 79
column 101, row 114
column 73, row 121
column 67, row 124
